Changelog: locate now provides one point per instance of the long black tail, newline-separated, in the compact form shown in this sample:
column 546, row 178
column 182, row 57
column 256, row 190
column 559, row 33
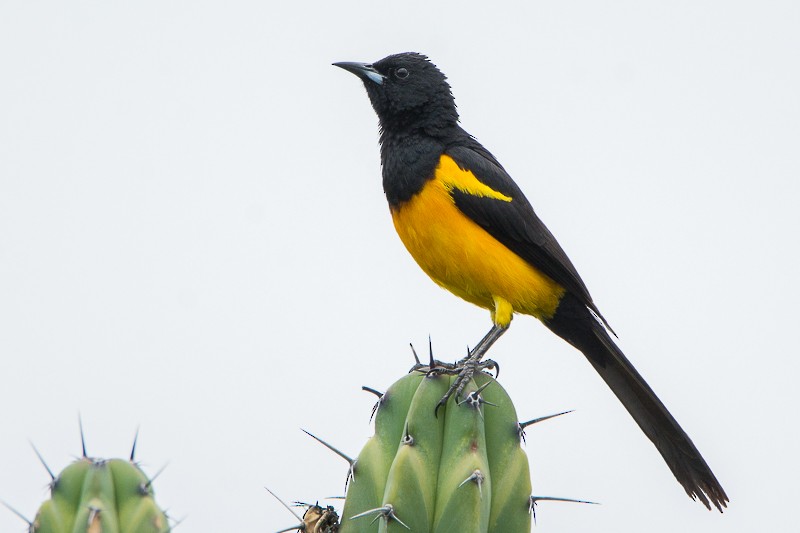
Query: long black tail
column 574, row 323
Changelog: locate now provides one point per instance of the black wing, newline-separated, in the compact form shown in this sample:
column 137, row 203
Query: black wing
column 514, row 223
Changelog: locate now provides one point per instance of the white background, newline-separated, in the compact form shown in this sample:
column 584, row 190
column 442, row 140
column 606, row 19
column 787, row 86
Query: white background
column 194, row 240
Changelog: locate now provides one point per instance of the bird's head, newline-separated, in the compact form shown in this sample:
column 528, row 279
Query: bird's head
column 407, row 92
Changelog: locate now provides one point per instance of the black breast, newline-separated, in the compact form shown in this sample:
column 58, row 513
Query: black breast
column 408, row 163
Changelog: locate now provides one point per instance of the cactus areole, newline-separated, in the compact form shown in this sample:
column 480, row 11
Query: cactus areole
column 461, row 470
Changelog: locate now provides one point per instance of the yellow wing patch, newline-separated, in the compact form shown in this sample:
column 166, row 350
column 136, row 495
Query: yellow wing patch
column 463, row 258
column 454, row 177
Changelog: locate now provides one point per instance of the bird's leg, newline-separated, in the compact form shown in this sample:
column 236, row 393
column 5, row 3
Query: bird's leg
column 477, row 353
column 467, row 367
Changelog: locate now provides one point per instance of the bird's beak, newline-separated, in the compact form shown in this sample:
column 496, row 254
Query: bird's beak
column 362, row 70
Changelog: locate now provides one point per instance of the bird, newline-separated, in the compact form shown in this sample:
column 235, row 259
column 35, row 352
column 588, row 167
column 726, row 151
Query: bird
column 471, row 229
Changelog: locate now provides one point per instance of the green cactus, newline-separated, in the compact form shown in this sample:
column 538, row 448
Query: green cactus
column 100, row 496
column 461, row 471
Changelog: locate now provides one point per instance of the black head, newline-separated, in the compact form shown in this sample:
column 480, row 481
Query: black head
column 407, row 92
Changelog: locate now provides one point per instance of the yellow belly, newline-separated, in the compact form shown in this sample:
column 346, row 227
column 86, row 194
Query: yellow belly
column 463, row 258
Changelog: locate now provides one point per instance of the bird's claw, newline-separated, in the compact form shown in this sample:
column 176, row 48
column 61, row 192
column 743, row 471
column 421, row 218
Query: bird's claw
column 462, row 378
column 439, row 368
column 464, row 372
column 435, row 368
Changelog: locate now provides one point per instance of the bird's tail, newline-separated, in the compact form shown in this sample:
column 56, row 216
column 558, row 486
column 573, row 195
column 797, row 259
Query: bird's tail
column 574, row 323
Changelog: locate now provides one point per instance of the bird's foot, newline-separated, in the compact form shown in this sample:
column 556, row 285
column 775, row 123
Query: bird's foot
column 442, row 368
column 464, row 369
column 464, row 372
column 434, row 367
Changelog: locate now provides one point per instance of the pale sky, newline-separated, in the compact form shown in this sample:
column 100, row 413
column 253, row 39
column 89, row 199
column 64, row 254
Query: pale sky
column 194, row 241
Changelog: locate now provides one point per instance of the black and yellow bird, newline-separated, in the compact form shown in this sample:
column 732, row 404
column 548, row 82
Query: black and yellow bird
column 470, row 228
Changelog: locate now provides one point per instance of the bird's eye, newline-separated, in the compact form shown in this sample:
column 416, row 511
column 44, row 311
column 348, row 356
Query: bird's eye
column 401, row 73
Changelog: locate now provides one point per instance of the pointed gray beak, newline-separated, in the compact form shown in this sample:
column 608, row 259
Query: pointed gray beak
column 362, row 70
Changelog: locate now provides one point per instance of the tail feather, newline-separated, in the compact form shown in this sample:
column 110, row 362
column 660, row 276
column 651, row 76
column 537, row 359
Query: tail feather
column 574, row 323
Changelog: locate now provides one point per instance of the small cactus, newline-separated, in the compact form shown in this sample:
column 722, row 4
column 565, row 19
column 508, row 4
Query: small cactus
column 99, row 496
column 461, row 469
